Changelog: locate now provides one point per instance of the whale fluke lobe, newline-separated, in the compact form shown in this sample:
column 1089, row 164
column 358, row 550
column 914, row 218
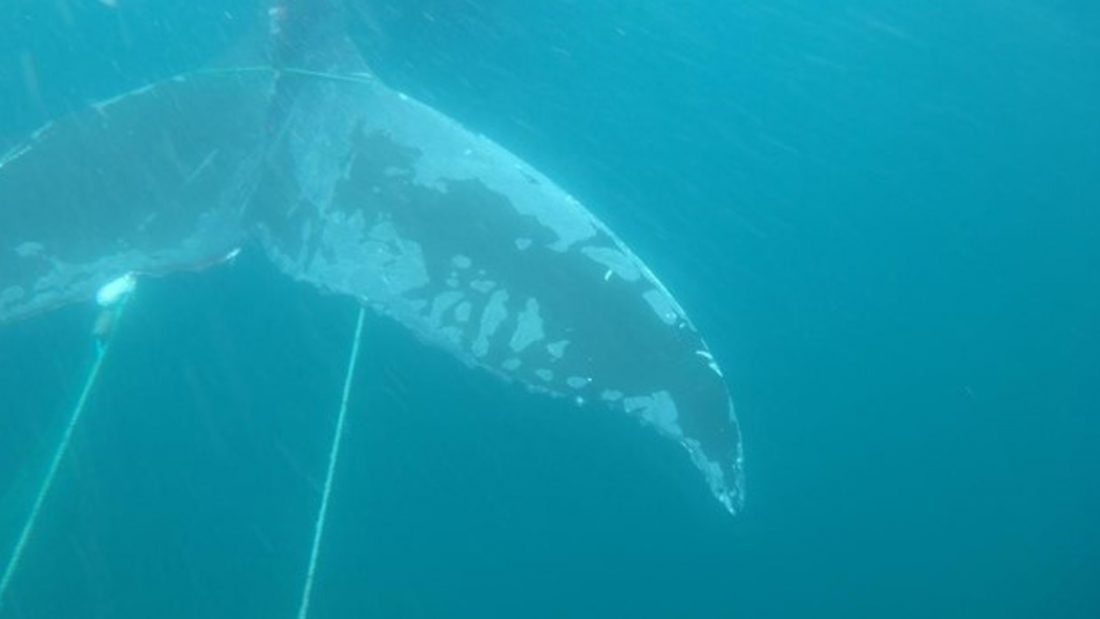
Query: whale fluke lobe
column 152, row 181
column 363, row 191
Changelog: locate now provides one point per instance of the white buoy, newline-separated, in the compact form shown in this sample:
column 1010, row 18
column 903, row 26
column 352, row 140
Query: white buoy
column 115, row 291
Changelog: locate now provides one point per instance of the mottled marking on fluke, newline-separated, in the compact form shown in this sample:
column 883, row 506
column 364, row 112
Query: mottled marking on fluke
column 360, row 190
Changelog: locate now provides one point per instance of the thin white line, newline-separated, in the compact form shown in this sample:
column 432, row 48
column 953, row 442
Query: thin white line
column 334, row 454
column 55, row 463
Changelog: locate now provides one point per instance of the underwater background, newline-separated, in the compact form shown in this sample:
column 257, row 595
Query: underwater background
column 883, row 216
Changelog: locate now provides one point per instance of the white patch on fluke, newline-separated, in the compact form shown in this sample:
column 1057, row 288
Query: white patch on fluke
column 462, row 311
column 657, row 409
column 116, row 290
column 663, row 305
column 528, row 327
column 440, row 304
column 557, row 349
column 577, row 382
column 482, row 285
column 710, row 361
column 30, row 249
column 615, row 261
column 495, row 312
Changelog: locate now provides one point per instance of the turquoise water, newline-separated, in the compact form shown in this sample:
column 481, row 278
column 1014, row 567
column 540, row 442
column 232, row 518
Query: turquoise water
column 883, row 218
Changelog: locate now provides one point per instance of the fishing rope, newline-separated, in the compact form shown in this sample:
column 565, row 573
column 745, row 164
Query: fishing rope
column 354, row 78
column 334, row 454
column 102, row 345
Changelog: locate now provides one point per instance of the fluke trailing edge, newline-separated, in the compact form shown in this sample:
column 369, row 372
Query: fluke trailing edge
column 362, row 191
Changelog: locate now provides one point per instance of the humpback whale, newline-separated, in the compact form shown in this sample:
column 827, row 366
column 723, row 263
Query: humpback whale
column 301, row 152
